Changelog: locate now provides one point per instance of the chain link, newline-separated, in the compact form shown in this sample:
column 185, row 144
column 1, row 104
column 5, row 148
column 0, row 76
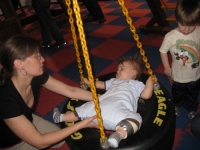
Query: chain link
column 136, row 38
column 79, row 23
column 71, row 21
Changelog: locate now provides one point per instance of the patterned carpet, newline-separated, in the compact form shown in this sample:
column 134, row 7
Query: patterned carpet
column 106, row 43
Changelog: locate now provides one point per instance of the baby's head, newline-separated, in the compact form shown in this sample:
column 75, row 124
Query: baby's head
column 129, row 67
column 187, row 15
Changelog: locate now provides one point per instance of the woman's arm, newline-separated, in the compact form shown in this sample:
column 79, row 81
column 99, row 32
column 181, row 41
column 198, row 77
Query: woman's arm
column 25, row 130
column 98, row 84
column 61, row 88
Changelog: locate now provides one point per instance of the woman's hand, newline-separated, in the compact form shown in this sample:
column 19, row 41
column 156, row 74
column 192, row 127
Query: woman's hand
column 88, row 123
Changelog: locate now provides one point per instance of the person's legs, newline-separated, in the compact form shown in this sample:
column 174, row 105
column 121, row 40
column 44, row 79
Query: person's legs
column 44, row 126
column 15, row 4
column 192, row 92
column 97, row 11
column 178, row 95
column 48, row 26
column 88, row 6
column 195, row 125
column 39, row 9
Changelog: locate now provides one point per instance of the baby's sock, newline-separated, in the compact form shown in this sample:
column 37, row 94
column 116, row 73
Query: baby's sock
column 57, row 116
column 114, row 139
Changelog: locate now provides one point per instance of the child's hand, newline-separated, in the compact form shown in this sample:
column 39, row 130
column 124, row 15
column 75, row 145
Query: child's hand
column 168, row 72
column 170, row 80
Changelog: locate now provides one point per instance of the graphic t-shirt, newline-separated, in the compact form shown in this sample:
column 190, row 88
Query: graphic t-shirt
column 185, row 52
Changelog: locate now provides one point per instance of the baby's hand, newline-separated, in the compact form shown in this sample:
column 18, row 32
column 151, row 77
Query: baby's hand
column 86, row 81
column 150, row 81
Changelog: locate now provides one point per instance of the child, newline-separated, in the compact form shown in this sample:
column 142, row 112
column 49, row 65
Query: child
column 184, row 46
column 119, row 104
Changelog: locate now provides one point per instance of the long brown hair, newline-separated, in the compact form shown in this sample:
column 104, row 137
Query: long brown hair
column 17, row 47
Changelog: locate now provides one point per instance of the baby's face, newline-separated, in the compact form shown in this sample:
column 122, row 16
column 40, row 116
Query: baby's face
column 186, row 29
column 126, row 71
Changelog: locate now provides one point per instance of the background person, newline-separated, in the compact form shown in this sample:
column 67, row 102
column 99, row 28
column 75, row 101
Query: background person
column 49, row 28
column 183, row 43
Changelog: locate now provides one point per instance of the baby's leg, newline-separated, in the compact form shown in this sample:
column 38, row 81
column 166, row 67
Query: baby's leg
column 124, row 129
column 69, row 116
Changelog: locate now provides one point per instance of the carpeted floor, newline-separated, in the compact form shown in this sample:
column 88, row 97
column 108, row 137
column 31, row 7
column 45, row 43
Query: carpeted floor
column 106, row 43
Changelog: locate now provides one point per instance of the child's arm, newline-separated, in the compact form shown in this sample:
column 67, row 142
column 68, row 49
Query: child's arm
column 167, row 68
column 98, row 84
column 165, row 61
column 148, row 90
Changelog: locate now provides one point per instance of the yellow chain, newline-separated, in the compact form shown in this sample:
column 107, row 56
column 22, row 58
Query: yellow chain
column 79, row 23
column 86, row 56
column 71, row 20
column 136, row 37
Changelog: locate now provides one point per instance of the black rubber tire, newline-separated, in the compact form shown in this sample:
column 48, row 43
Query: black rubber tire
column 151, row 136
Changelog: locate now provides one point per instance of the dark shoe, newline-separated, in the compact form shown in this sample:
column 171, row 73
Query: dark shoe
column 192, row 114
column 101, row 21
column 88, row 19
column 177, row 111
column 89, row 15
column 46, row 45
column 58, row 44
column 95, row 19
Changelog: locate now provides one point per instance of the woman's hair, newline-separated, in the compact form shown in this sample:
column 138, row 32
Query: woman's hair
column 187, row 12
column 17, row 47
column 136, row 61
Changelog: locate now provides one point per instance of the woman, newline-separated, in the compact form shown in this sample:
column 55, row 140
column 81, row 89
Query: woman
column 21, row 77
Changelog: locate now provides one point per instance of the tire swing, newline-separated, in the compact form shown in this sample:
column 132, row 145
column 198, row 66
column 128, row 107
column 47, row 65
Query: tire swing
column 158, row 126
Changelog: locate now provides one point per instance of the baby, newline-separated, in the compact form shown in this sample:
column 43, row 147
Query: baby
column 119, row 104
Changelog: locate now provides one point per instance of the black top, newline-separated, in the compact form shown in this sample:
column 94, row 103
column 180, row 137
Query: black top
column 12, row 105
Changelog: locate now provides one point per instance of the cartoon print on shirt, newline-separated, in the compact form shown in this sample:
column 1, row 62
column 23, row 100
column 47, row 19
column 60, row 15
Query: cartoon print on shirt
column 187, row 52
column 184, row 56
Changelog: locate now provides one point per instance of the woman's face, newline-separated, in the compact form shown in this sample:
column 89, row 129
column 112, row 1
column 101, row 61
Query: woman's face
column 33, row 65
